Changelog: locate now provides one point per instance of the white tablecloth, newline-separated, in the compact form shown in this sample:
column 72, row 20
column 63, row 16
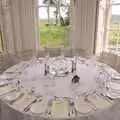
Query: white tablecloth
column 87, row 75
column 113, row 113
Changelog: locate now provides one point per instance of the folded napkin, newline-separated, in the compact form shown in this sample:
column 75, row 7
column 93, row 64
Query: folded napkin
column 59, row 108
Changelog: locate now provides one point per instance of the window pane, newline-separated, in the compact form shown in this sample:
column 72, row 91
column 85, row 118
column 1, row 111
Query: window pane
column 54, row 24
column 43, row 13
column 114, row 29
column 41, row 2
column 115, row 10
column 116, row 1
column 52, row 14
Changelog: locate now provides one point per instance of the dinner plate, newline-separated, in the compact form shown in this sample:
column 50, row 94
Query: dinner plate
column 59, row 108
column 13, row 96
column 4, row 83
column 116, row 76
column 6, row 76
column 83, row 107
column 98, row 101
column 115, row 86
column 22, row 103
column 38, row 107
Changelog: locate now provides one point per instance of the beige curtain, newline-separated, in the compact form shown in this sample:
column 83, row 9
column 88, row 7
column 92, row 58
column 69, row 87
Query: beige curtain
column 102, row 23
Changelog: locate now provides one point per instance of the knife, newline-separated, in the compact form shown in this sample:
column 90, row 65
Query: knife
column 26, row 109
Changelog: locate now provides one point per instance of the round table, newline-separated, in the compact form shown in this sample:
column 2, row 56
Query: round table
column 42, row 88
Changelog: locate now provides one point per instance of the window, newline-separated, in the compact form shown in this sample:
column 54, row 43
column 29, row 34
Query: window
column 54, row 22
column 114, row 27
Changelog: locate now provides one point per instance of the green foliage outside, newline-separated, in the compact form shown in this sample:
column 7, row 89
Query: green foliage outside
column 114, row 34
column 52, row 35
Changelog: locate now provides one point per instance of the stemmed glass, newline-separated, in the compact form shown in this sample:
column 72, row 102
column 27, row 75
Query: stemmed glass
column 47, row 57
column 74, row 61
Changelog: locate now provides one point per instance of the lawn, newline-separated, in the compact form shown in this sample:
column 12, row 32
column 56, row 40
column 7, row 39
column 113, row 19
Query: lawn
column 114, row 33
column 59, row 35
column 114, row 36
column 51, row 35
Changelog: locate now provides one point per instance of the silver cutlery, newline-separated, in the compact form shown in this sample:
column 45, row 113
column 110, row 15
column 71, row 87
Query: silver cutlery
column 26, row 109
